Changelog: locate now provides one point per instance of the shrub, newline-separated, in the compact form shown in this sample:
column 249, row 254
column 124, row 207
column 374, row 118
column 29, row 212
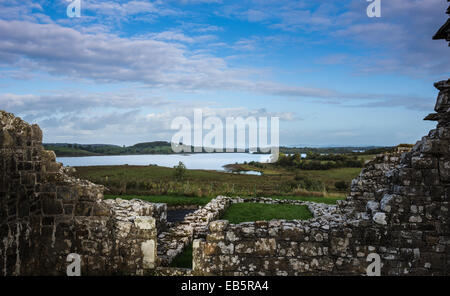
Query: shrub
column 180, row 171
column 308, row 183
column 341, row 185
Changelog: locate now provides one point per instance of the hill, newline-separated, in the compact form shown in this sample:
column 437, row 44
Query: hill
column 71, row 150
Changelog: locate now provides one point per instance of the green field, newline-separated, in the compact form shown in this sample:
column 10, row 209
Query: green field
column 328, row 177
column 248, row 212
column 154, row 180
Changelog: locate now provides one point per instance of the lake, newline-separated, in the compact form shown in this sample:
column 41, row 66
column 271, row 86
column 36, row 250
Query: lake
column 202, row 161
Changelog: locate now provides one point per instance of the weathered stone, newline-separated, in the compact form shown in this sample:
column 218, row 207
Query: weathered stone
column 219, row 225
column 372, row 206
column 56, row 214
column 386, row 203
column 380, row 218
column 265, row 246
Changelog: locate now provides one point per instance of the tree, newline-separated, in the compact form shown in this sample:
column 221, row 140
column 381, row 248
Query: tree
column 180, row 171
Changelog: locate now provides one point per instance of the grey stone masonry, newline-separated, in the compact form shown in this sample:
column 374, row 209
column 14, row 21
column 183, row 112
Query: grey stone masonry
column 45, row 214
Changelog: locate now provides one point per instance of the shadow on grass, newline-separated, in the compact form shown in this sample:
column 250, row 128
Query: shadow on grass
column 184, row 260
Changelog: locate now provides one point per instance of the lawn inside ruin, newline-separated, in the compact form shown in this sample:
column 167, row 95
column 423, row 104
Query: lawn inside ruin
column 250, row 212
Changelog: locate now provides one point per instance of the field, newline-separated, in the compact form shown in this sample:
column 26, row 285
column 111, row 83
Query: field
column 248, row 212
column 154, row 180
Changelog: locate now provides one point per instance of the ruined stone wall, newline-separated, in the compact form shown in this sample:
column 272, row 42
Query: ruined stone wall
column 173, row 242
column 398, row 208
column 45, row 214
column 372, row 181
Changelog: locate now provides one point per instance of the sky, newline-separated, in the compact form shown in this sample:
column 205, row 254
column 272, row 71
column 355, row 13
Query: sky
column 121, row 72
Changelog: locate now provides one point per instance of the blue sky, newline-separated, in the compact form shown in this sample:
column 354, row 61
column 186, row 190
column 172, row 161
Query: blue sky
column 121, row 72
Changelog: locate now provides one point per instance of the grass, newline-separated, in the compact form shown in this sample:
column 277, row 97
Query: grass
column 248, row 212
column 330, row 177
column 169, row 200
column 155, row 180
column 184, row 260
column 367, row 157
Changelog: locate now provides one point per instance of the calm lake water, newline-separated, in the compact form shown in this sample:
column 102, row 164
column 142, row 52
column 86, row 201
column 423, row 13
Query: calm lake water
column 202, row 161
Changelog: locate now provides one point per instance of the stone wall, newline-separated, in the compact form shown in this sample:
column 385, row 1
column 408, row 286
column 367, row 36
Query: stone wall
column 45, row 214
column 398, row 208
column 173, row 242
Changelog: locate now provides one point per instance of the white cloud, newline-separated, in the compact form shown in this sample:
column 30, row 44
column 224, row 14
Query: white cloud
column 132, row 126
column 72, row 102
column 119, row 10
column 108, row 58
column 400, row 39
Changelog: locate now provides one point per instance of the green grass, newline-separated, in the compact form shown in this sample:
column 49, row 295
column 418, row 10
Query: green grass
column 367, row 157
column 184, row 260
column 170, row 200
column 329, row 177
column 248, row 212
column 154, row 180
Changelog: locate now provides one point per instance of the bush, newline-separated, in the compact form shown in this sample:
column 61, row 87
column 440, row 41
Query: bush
column 180, row 171
column 341, row 185
column 307, row 183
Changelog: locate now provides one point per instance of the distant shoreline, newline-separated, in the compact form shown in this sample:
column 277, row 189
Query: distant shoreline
column 174, row 153
column 164, row 148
